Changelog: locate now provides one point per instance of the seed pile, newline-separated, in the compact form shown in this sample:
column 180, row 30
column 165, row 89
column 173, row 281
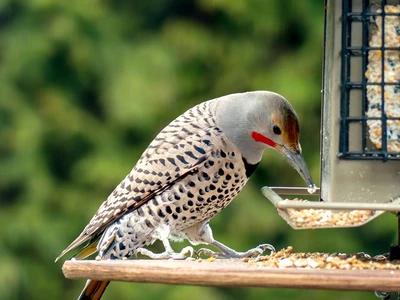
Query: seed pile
column 286, row 258
column 311, row 218
column 391, row 64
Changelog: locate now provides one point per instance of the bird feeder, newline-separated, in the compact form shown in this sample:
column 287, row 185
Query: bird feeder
column 360, row 164
column 360, row 136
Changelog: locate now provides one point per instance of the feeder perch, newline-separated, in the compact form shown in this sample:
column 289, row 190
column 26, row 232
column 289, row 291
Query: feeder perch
column 360, row 136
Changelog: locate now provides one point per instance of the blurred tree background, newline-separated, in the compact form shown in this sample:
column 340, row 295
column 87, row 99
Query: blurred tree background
column 85, row 86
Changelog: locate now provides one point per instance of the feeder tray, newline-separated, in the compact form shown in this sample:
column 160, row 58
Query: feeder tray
column 360, row 158
column 319, row 214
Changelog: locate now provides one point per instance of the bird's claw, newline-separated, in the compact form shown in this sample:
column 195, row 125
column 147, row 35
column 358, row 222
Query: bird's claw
column 233, row 254
column 185, row 251
column 208, row 252
column 167, row 254
column 261, row 248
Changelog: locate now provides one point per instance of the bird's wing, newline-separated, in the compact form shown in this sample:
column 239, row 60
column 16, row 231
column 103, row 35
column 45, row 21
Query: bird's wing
column 150, row 177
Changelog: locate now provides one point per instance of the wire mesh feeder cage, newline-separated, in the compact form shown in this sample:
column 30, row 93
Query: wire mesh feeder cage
column 370, row 98
column 360, row 137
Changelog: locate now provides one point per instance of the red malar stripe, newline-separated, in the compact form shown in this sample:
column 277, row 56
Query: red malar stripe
column 263, row 139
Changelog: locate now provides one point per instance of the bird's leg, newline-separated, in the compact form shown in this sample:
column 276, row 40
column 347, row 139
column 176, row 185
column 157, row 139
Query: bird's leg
column 202, row 234
column 169, row 253
column 227, row 252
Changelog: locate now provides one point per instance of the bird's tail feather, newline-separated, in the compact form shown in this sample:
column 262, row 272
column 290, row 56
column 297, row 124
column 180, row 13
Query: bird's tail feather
column 93, row 290
column 88, row 250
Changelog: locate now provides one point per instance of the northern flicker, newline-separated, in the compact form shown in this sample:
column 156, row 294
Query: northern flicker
column 191, row 171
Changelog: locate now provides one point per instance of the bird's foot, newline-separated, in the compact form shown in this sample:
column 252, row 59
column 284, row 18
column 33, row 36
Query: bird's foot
column 230, row 253
column 167, row 254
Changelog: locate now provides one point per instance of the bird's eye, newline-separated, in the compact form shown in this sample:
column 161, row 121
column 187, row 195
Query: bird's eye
column 276, row 129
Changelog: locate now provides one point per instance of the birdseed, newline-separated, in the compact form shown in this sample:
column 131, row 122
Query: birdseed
column 391, row 75
column 286, row 258
column 312, row 218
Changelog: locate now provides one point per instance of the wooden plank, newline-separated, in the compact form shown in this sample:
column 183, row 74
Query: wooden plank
column 231, row 273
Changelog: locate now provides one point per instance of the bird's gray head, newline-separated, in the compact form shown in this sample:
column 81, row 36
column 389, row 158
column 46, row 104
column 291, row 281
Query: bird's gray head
column 261, row 120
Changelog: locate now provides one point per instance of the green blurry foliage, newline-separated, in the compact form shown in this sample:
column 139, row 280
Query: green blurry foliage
column 86, row 85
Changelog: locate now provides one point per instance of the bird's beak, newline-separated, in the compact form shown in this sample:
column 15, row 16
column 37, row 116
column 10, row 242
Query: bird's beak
column 296, row 159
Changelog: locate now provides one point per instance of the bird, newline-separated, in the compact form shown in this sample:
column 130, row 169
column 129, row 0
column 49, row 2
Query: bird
column 189, row 173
